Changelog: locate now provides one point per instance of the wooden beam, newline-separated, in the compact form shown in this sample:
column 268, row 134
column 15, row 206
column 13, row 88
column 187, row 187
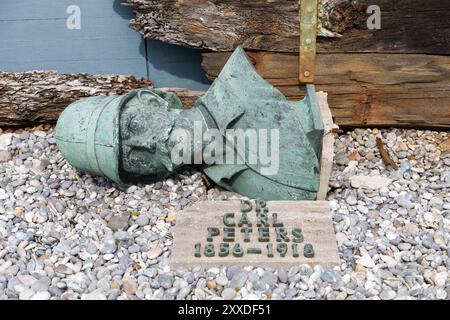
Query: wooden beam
column 407, row 26
column 401, row 90
column 35, row 97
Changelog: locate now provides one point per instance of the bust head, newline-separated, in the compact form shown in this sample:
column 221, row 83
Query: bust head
column 145, row 124
column 125, row 138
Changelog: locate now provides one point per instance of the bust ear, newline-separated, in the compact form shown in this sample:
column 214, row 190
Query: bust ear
column 150, row 98
column 145, row 97
column 172, row 99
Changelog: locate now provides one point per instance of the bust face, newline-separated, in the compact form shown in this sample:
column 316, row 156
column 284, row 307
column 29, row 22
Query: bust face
column 145, row 126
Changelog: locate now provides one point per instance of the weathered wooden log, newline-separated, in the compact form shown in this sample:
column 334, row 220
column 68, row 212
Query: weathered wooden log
column 401, row 90
column 35, row 97
column 407, row 26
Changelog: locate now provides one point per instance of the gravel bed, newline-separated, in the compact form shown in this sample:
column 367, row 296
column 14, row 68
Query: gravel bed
column 67, row 235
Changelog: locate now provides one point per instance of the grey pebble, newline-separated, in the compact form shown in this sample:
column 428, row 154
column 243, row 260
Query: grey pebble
column 108, row 245
column 142, row 220
column 283, row 275
column 239, row 279
column 165, row 280
column 330, row 276
column 118, row 222
column 228, row 294
column 184, row 292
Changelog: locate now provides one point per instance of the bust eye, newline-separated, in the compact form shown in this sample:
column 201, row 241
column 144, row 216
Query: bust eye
column 134, row 125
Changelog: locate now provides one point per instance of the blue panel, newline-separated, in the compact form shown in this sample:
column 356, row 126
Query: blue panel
column 175, row 66
column 34, row 35
column 56, row 9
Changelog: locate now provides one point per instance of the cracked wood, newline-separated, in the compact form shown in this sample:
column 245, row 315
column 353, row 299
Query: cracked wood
column 407, row 26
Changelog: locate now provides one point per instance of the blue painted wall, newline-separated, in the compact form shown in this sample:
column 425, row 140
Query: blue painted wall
column 175, row 66
column 34, row 36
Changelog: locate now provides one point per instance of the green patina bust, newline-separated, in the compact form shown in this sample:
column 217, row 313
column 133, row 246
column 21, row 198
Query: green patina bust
column 244, row 133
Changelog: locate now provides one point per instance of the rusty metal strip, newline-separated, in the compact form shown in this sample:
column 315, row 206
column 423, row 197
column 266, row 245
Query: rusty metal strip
column 308, row 34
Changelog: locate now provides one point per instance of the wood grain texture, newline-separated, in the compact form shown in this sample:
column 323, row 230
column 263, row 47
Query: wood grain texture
column 34, row 97
column 312, row 216
column 407, row 26
column 401, row 90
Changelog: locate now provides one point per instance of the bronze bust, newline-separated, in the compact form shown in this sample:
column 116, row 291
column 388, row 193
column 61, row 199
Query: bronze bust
column 146, row 135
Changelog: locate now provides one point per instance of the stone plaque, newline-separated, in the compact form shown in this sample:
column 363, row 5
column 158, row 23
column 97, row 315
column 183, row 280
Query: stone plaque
column 255, row 233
